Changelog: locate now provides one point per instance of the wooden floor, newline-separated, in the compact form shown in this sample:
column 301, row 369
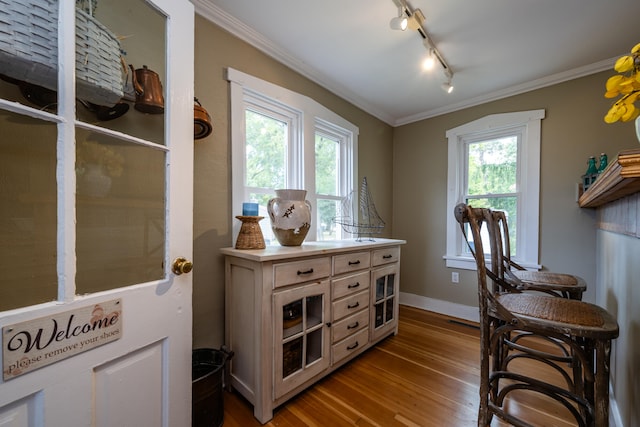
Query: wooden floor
column 427, row 375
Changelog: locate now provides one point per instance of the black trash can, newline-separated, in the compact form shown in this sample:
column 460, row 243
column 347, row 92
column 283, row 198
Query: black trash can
column 207, row 405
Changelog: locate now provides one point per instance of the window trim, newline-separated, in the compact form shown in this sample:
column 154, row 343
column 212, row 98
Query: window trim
column 529, row 173
column 311, row 113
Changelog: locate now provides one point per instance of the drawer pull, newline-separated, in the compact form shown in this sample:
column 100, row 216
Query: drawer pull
column 309, row 271
column 354, row 262
column 353, row 285
column 351, row 347
column 387, row 256
column 357, row 304
column 353, row 325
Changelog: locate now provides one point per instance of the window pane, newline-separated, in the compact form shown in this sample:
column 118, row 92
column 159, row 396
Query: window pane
column 120, row 67
column 327, row 210
column 262, row 199
column 120, row 227
column 506, row 204
column 29, row 54
column 266, row 151
column 492, row 166
column 28, row 217
column 327, row 165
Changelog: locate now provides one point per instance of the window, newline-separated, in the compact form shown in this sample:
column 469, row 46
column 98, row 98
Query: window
column 494, row 162
column 281, row 139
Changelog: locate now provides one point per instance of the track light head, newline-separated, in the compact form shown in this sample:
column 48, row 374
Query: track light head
column 429, row 61
column 447, row 87
column 400, row 22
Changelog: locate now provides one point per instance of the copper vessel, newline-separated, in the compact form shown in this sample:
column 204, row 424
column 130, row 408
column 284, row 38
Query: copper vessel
column 149, row 98
column 202, row 126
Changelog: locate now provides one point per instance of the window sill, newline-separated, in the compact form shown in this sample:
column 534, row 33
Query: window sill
column 468, row 263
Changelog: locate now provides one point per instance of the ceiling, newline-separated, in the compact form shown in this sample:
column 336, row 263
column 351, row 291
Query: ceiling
column 495, row 48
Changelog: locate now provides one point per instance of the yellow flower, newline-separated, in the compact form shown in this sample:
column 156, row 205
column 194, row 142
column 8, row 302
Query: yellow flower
column 627, row 85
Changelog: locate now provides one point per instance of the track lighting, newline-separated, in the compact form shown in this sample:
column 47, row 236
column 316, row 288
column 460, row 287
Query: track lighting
column 414, row 19
column 447, row 86
column 400, row 22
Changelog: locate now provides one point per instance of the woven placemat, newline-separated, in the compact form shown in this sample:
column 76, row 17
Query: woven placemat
column 552, row 308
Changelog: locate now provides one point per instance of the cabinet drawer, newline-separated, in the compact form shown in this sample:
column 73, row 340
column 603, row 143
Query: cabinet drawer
column 350, row 304
column 351, row 262
column 289, row 273
column 350, row 345
column 350, row 284
column 386, row 255
column 350, row 325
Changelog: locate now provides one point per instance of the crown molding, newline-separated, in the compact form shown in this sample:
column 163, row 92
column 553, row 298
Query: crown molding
column 511, row 91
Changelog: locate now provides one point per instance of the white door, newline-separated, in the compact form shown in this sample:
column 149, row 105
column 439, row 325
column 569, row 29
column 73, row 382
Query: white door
column 95, row 206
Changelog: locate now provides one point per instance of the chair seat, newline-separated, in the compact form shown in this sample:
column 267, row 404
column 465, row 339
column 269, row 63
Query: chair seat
column 559, row 281
column 566, row 316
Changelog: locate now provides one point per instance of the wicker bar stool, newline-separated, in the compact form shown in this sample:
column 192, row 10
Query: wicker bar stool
column 586, row 330
column 556, row 284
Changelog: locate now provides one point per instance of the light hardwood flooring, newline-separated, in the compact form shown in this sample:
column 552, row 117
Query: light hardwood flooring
column 427, row 375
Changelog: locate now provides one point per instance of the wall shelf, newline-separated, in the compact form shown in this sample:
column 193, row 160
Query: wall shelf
column 621, row 178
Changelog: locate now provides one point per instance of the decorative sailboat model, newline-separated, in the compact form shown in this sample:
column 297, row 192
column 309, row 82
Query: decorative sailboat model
column 369, row 222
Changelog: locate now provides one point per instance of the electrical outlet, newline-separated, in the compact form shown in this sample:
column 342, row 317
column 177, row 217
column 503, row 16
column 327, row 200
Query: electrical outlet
column 455, row 278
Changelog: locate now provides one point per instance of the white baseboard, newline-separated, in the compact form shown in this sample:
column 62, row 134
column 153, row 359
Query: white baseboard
column 471, row 314
column 452, row 309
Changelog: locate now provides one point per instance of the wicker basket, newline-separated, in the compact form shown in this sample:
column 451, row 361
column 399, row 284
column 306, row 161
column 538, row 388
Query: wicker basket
column 29, row 50
column 250, row 234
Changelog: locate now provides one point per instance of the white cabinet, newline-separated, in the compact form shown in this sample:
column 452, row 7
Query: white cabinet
column 301, row 337
column 295, row 314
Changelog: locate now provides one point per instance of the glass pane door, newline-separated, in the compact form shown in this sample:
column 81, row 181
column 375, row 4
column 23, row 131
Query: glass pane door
column 28, row 218
column 120, row 67
column 301, row 338
column 120, row 144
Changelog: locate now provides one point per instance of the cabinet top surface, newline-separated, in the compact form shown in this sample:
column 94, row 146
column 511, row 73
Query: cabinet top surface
column 272, row 253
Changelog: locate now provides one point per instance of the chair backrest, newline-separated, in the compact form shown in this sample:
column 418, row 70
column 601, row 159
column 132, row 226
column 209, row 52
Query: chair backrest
column 476, row 218
column 502, row 241
column 503, row 228
column 501, row 220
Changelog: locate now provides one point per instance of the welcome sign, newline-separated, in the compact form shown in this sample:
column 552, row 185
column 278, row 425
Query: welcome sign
column 40, row 342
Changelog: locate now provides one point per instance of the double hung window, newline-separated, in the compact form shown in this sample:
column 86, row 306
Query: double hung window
column 494, row 162
column 281, row 139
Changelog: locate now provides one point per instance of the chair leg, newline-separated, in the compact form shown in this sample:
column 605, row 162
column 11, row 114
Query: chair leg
column 602, row 364
column 484, row 415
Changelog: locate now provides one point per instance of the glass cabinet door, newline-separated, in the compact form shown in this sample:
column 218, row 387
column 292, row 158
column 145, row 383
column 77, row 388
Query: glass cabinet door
column 301, row 337
column 384, row 300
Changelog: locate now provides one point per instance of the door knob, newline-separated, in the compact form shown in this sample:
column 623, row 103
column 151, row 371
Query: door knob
column 181, row 265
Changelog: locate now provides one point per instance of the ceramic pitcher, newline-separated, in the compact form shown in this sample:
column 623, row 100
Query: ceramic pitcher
column 290, row 216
